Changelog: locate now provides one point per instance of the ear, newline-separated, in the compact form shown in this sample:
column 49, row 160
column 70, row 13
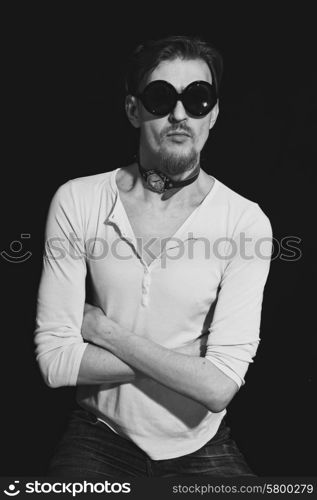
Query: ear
column 213, row 115
column 132, row 110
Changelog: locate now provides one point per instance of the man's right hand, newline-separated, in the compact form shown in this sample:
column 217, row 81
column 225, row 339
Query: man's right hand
column 92, row 324
column 99, row 366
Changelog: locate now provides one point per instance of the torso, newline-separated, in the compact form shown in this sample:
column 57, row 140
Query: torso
column 154, row 226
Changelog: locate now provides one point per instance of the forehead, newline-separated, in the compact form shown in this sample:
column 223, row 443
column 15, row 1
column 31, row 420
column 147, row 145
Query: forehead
column 181, row 72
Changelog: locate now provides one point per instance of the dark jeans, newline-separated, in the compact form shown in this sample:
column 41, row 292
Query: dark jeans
column 89, row 449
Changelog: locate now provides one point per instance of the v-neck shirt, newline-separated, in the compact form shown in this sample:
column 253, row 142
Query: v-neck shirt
column 201, row 282
column 140, row 241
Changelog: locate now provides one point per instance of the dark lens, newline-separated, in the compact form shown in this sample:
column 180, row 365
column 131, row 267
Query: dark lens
column 199, row 98
column 159, row 98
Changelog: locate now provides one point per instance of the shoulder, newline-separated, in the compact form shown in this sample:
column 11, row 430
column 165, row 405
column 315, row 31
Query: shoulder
column 88, row 184
column 241, row 213
column 84, row 189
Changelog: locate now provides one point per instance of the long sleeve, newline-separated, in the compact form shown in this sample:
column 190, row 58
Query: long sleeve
column 61, row 296
column 234, row 332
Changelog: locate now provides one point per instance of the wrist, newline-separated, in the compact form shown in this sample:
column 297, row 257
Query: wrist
column 113, row 337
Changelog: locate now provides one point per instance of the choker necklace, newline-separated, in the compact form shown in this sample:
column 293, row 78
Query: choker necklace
column 159, row 182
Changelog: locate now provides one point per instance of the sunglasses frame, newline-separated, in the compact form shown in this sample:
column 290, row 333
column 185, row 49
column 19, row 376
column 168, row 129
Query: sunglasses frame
column 178, row 97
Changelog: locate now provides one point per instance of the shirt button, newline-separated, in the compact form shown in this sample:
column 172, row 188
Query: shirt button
column 145, row 300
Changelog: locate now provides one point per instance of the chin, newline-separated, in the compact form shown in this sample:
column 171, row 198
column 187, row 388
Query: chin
column 174, row 161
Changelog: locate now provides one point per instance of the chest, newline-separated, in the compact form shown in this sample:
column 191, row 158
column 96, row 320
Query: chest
column 153, row 229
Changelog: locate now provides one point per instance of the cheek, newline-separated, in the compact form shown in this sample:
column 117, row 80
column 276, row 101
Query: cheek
column 150, row 131
column 201, row 134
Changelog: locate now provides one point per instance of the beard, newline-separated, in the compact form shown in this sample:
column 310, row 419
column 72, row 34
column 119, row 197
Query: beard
column 175, row 163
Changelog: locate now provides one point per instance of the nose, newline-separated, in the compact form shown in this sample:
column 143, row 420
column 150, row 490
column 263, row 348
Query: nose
column 179, row 112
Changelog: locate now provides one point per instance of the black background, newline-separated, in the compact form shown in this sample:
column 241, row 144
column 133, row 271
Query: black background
column 64, row 118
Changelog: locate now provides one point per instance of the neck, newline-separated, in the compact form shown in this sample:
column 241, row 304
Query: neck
column 148, row 162
column 159, row 183
column 130, row 183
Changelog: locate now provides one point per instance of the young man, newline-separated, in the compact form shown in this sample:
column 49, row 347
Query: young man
column 177, row 264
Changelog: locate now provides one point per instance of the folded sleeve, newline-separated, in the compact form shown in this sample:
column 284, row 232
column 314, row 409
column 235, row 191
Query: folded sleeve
column 61, row 295
column 234, row 332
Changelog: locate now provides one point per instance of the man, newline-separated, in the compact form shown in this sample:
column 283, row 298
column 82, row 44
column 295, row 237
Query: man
column 177, row 269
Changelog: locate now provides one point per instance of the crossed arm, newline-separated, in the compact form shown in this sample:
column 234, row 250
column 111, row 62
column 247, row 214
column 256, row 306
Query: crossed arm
column 117, row 355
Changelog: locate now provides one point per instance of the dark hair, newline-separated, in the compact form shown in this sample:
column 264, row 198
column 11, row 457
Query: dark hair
column 147, row 56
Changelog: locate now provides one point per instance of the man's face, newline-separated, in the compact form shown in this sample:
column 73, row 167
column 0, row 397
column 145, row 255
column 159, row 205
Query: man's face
column 160, row 138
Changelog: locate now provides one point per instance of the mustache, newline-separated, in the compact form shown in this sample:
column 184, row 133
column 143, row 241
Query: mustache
column 179, row 128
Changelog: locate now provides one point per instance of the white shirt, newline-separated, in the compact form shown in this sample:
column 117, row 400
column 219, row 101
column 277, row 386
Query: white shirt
column 205, row 279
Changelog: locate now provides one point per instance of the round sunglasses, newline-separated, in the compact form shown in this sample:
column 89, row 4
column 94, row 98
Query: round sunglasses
column 160, row 97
